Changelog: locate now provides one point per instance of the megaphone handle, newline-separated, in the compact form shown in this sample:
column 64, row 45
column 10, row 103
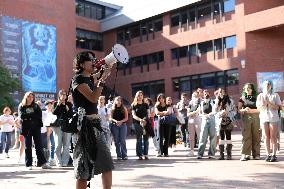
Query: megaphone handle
column 100, row 63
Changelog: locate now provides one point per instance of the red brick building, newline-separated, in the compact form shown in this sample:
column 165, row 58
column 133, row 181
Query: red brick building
column 207, row 44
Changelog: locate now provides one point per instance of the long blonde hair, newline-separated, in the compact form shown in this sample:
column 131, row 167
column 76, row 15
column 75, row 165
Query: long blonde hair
column 114, row 106
column 24, row 101
column 135, row 101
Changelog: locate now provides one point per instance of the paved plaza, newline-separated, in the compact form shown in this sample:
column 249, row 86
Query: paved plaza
column 176, row 171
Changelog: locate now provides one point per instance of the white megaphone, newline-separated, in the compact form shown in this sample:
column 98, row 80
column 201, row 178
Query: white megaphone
column 118, row 54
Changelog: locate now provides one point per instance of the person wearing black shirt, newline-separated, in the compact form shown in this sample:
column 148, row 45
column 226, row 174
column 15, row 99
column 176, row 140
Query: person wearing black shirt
column 251, row 126
column 118, row 117
column 91, row 153
column 140, row 114
column 31, row 119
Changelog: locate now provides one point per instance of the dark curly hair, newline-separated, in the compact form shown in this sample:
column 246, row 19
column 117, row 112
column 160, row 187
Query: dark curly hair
column 80, row 58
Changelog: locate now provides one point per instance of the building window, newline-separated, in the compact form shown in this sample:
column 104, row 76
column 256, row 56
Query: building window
column 207, row 80
column 135, row 31
column 184, row 17
column 204, row 12
column 175, row 20
column 232, row 77
column 192, row 16
column 158, row 25
column 229, row 5
column 92, row 10
column 230, row 42
column 193, row 50
column 89, row 40
column 161, row 56
column 218, row 44
column 150, row 89
column 205, row 47
column 174, row 53
column 220, row 79
column 195, row 82
column 183, row 51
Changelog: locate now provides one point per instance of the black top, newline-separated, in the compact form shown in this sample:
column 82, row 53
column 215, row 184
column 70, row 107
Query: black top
column 161, row 108
column 61, row 111
column 31, row 114
column 80, row 100
column 140, row 111
column 206, row 107
column 118, row 113
column 248, row 101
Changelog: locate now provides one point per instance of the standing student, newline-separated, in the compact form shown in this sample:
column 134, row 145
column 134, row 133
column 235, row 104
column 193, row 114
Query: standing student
column 31, row 118
column 118, row 117
column 6, row 124
column 251, row 125
column 140, row 114
column 268, row 103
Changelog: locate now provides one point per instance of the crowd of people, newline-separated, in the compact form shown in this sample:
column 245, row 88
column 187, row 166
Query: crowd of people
column 201, row 118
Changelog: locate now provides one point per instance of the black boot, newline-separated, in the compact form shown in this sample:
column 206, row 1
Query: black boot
column 221, row 149
column 229, row 151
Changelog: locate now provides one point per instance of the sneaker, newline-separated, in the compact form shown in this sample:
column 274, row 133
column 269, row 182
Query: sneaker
column 29, row 168
column 52, row 162
column 146, row 157
column 140, row 158
column 46, row 166
column 268, row 157
column 119, row 158
column 256, row 158
column 159, row 155
column 199, row 157
column 247, row 157
column 166, row 155
column 243, row 158
column 7, row 155
column 190, row 153
column 125, row 158
column 211, row 157
column 273, row 158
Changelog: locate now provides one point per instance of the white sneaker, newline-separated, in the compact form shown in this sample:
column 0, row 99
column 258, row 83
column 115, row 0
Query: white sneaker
column 7, row 155
column 29, row 168
column 190, row 153
column 52, row 162
column 46, row 166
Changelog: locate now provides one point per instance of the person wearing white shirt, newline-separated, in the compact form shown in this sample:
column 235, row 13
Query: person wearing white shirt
column 268, row 104
column 6, row 124
column 47, row 118
column 104, row 113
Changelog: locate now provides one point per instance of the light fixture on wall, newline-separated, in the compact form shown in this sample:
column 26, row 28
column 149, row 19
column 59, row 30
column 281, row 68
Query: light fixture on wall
column 243, row 63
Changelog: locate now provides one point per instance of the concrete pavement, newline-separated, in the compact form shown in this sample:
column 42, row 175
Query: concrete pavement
column 176, row 171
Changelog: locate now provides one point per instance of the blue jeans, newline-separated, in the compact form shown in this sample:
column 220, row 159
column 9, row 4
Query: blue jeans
column 52, row 145
column 142, row 141
column 119, row 134
column 5, row 141
column 62, row 141
column 207, row 129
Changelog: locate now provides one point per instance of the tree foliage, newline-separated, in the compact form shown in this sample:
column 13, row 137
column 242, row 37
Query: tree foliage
column 8, row 85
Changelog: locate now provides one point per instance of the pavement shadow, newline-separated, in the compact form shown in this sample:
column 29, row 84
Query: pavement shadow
column 20, row 174
column 152, row 181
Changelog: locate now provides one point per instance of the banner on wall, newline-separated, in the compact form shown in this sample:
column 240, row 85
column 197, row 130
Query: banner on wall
column 276, row 77
column 28, row 50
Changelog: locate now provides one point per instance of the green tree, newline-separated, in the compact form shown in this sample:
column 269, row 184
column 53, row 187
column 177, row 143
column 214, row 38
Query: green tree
column 8, row 85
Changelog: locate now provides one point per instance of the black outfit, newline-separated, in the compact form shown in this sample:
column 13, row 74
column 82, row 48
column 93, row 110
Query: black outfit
column 165, row 132
column 141, row 111
column 31, row 117
column 91, row 153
